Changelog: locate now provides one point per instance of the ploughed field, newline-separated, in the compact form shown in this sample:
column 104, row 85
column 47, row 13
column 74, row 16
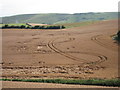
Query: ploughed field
column 78, row 53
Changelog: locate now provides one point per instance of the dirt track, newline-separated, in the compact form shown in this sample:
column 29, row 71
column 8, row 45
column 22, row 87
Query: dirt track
column 81, row 52
column 10, row 84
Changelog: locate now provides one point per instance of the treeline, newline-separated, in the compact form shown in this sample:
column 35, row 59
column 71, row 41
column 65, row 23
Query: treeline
column 6, row 26
column 118, row 36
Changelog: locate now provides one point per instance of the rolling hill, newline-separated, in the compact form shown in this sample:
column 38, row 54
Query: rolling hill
column 55, row 18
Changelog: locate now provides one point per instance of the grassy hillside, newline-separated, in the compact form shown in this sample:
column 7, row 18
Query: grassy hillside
column 59, row 18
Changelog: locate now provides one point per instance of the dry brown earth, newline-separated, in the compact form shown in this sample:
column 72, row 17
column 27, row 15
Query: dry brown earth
column 10, row 84
column 81, row 52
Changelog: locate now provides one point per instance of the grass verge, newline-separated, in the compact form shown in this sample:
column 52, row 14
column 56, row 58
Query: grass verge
column 99, row 82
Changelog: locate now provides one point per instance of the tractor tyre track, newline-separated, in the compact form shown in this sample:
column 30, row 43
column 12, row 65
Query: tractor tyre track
column 51, row 46
column 102, row 58
column 96, row 40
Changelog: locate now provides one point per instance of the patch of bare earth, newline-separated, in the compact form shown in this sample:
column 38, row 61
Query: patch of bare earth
column 10, row 84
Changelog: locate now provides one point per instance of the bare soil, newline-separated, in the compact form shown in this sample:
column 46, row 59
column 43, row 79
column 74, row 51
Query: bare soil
column 76, row 53
column 10, row 84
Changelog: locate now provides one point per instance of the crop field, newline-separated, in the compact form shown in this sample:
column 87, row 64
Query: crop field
column 78, row 24
column 67, row 25
column 86, row 52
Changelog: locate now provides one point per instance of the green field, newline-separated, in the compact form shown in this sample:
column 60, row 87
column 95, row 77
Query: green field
column 78, row 24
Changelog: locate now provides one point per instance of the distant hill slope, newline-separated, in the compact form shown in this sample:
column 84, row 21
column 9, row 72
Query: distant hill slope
column 59, row 18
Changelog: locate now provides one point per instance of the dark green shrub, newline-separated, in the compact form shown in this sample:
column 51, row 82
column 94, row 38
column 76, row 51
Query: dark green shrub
column 33, row 27
column 118, row 36
column 100, row 82
column 22, row 26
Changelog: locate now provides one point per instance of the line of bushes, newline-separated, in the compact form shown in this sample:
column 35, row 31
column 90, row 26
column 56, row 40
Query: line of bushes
column 6, row 26
column 100, row 82
column 118, row 36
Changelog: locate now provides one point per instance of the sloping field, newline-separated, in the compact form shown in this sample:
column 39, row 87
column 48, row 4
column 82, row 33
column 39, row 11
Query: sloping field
column 78, row 53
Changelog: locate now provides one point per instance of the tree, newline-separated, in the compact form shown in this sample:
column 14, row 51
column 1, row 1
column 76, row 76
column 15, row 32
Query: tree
column 36, row 27
column 22, row 26
column 63, row 27
column 118, row 36
column 6, row 26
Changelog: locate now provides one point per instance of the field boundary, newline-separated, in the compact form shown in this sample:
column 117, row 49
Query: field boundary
column 98, row 82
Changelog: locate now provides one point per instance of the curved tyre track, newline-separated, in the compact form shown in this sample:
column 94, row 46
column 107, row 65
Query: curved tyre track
column 102, row 58
column 51, row 46
column 96, row 40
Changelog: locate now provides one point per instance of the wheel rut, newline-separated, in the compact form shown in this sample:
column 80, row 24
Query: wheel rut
column 102, row 58
column 96, row 40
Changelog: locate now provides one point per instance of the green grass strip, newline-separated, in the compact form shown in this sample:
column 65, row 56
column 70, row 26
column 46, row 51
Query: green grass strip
column 99, row 82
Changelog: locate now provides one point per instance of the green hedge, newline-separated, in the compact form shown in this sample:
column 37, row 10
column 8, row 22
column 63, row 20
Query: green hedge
column 6, row 26
column 100, row 82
